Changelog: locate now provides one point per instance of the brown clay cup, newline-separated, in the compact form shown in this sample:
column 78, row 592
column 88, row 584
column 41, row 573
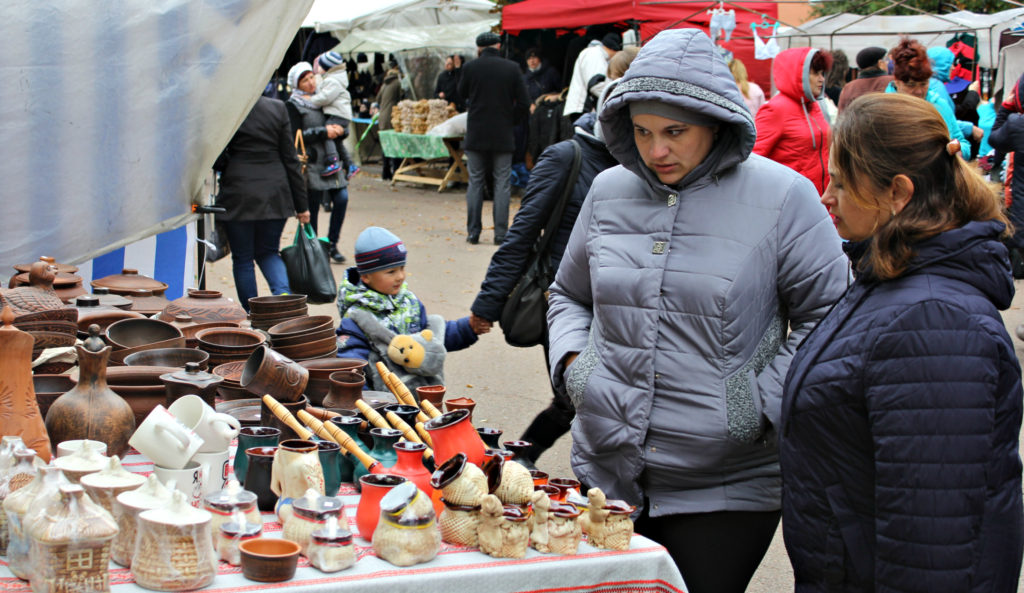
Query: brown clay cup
column 269, row 560
column 267, row 371
column 432, row 393
column 346, row 388
column 460, row 403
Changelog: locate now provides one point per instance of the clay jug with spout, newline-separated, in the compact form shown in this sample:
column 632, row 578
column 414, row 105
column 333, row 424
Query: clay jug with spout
column 18, row 405
column 91, row 410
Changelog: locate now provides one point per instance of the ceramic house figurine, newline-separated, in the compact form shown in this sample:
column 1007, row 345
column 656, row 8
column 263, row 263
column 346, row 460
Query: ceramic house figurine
column 503, row 531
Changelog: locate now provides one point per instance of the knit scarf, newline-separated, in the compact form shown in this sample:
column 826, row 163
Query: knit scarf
column 400, row 313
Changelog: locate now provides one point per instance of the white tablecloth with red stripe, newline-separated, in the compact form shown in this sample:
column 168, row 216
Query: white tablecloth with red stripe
column 645, row 568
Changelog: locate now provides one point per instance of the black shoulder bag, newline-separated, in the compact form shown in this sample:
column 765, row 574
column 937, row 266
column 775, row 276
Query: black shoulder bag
column 524, row 317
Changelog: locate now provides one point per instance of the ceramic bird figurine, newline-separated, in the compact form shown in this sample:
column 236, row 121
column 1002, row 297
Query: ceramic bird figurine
column 597, row 514
column 539, row 532
column 503, row 532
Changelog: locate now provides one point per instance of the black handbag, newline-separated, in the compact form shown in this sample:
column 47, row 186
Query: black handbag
column 309, row 267
column 524, row 316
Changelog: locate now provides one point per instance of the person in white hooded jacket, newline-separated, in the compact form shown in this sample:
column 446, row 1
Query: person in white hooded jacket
column 693, row 272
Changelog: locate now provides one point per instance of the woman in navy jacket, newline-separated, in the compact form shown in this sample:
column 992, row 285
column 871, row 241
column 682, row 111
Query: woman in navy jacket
column 902, row 410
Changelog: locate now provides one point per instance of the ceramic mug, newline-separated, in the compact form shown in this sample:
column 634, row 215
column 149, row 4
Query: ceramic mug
column 165, row 440
column 188, row 479
column 70, row 447
column 216, row 429
column 216, row 470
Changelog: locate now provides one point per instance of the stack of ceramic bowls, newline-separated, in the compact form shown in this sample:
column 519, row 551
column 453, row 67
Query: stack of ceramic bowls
column 320, row 370
column 140, row 386
column 129, row 336
column 230, row 388
column 228, row 344
column 168, row 357
column 305, row 338
column 55, row 328
column 267, row 311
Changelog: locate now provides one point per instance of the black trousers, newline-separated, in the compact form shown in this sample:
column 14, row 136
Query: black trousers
column 552, row 422
column 715, row 552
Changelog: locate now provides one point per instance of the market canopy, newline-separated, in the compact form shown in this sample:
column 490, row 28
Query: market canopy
column 852, row 33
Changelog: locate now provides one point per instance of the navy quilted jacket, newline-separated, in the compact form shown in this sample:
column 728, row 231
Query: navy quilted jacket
column 901, row 416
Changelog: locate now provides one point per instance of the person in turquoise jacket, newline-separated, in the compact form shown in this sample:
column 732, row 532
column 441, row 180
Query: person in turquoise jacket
column 913, row 74
column 942, row 64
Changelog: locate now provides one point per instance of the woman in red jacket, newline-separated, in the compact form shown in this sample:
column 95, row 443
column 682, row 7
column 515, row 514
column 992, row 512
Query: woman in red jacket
column 791, row 127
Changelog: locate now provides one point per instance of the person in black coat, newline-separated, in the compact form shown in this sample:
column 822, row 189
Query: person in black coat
column 540, row 77
column 496, row 99
column 1008, row 136
column 901, row 412
column 447, row 86
column 261, row 185
column 509, row 263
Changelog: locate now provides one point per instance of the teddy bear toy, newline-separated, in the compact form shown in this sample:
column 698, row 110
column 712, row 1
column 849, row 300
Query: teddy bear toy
column 417, row 359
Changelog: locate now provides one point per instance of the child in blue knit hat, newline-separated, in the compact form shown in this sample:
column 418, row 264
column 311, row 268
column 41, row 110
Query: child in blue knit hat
column 375, row 305
column 333, row 97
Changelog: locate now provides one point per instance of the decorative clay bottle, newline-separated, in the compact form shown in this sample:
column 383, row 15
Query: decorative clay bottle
column 18, row 405
column 383, row 451
column 91, row 410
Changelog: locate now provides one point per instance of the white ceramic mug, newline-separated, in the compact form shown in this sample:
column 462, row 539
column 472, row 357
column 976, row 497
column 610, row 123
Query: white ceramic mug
column 216, row 469
column 216, row 429
column 165, row 440
column 69, row 447
column 189, row 480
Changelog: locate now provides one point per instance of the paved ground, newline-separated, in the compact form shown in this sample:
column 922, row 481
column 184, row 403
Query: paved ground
column 509, row 384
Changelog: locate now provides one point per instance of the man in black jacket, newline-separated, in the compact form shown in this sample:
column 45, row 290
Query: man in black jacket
column 496, row 99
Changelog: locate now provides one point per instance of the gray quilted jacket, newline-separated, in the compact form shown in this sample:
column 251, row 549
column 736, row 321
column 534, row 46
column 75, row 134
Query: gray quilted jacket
column 686, row 303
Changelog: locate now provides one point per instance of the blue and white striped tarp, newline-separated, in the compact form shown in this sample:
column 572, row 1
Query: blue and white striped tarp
column 169, row 257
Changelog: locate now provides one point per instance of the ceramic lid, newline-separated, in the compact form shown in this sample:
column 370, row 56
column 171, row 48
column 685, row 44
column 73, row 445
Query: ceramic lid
column 233, row 496
column 330, row 533
column 244, row 530
column 60, row 279
column 130, row 279
column 152, row 494
column 397, row 506
column 192, row 375
column 179, row 513
column 65, row 268
column 111, row 300
column 113, row 475
column 86, row 458
column 316, row 506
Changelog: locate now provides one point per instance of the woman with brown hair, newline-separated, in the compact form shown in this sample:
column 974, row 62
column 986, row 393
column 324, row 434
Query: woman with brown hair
column 902, row 409
column 912, row 73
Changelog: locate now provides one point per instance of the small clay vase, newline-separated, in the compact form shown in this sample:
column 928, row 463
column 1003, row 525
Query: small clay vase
column 18, row 405
column 204, row 306
column 346, row 388
column 258, row 474
column 267, row 371
column 461, row 403
column 453, row 433
column 249, row 437
column 374, row 487
column 490, row 436
column 410, row 466
column 432, row 393
column 92, row 410
column 190, row 381
column 329, row 453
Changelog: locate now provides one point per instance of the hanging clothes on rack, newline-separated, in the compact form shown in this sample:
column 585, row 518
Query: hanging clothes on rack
column 765, row 50
column 722, row 21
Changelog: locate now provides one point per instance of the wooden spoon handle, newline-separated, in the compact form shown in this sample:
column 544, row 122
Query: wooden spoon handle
column 425, row 435
column 430, row 409
column 321, row 414
column 338, row 436
column 285, row 416
column 372, row 415
column 409, row 433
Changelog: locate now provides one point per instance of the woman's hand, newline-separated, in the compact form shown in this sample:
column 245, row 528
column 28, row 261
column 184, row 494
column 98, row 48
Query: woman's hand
column 334, row 130
column 303, row 217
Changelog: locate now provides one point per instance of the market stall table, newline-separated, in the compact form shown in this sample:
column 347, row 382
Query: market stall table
column 645, row 567
column 434, row 160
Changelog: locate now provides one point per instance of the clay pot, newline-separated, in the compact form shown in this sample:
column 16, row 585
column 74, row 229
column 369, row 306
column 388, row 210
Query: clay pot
column 192, row 380
column 66, row 285
column 168, row 357
column 117, row 356
column 268, row 371
column 190, row 331
column 18, row 407
column 320, row 370
column 132, row 333
column 300, row 326
column 230, row 341
column 374, row 487
column 92, row 311
column 146, row 301
column 204, row 306
column 460, row 403
column 92, row 410
column 269, row 560
column 248, row 438
column 453, row 433
column 564, row 485
column 346, row 388
column 128, row 281
column 48, row 388
column 432, row 393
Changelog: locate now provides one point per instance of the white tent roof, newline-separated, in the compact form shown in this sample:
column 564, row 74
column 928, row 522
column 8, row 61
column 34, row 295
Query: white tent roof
column 395, row 25
column 852, row 33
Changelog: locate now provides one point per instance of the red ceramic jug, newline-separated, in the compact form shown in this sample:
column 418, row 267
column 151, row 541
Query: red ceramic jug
column 410, row 466
column 453, row 433
column 375, row 486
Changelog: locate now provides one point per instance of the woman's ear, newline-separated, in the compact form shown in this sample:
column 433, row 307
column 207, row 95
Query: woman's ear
column 901, row 190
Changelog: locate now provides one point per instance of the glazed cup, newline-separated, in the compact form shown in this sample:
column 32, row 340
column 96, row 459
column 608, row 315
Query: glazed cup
column 432, row 393
column 268, row 560
column 564, row 485
column 216, row 470
column 258, row 475
column 249, row 437
column 215, row 428
column 165, row 440
column 460, row 403
column 554, row 493
column 268, row 371
column 539, row 478
column 188, row 480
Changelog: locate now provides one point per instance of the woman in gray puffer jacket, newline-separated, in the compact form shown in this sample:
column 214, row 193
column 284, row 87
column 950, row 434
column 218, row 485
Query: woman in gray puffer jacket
column 693, row 272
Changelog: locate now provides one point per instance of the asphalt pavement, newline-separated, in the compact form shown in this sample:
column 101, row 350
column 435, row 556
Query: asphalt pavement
column 509, row 384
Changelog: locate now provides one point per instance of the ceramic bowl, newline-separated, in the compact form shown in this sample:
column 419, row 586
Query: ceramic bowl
column 300, row 326
column 309, row 349
column 269, row 560
column 298, row 340
column 190, row 331
column 232, row 371
column 131, row 333
column 117, row 356
column 272, row 304
column 168, row 357
column 229, row 341
column 138, row 375
column 49, row 387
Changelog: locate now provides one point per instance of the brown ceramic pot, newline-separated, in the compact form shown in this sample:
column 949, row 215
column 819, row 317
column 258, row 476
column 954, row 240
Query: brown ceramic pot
column 128, row 281
column 49, row 261
column 460, row 403
column 92, row 410
column 346, row 388
column 431, row 393
column 49, row 387
column 268, row 371
column 204, row 306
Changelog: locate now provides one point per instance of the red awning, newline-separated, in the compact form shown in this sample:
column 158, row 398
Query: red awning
column 565, row 14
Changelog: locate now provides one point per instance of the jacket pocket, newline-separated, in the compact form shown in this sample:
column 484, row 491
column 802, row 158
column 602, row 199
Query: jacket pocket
column 578, row 373
column 855, row 542
column 743, row 406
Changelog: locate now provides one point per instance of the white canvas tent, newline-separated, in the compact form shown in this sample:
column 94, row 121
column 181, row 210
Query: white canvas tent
column 852, row 33
column 399, row 25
